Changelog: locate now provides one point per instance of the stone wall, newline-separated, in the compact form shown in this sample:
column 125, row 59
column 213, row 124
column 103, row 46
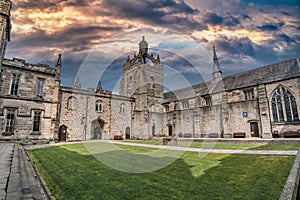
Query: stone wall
column 26, row 102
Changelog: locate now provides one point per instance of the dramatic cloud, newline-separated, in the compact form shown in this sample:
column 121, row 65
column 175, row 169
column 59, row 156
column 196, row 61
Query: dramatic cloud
column 246, row 33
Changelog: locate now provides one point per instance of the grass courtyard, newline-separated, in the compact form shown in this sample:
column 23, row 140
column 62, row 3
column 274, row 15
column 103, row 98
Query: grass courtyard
column 71, row 172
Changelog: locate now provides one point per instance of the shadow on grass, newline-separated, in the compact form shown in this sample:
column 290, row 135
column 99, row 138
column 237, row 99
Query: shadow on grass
column 71, row 173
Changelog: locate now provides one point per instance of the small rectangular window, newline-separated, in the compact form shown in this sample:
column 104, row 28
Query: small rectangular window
column 36, row 121
column 208, row 101
column 40, row 87
column 15, row 85
column 185, row 105
column 10, row 121
column 249, row 94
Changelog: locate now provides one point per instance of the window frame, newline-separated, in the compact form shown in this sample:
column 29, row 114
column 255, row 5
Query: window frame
column 122, row 108
column 185, row 104
column 249, row 94
column 37, row 119
column 10, row 123
column 99, row 104
column 15, row 85
column 283, row 106
column 40, row 88
column 208, row 100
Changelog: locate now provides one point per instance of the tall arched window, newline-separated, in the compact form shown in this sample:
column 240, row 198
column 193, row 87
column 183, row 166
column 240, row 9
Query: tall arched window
column 284, row 106
column 98, row 106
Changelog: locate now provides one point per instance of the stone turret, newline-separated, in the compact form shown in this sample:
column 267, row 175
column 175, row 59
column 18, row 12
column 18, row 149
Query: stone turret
column 5, row 7
column 143, row 47
column 141, row 57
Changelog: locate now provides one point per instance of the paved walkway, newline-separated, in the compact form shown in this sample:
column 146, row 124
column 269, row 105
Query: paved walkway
column 178, row 148
column 202, row 150
column 18, row 178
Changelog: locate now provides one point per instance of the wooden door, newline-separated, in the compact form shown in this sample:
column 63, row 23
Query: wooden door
column 62, row 135
column 254, row 129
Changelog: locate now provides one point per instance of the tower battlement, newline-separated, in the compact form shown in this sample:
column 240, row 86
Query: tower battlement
column 5, row 6
column 5, row 26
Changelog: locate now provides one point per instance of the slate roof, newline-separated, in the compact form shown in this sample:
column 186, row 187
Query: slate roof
column 271, row 73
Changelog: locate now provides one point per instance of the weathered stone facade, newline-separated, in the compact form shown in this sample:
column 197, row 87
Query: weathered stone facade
column 29, row 100
column 34, row 106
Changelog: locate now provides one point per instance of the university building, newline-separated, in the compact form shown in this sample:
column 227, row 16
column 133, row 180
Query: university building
column 263, row 102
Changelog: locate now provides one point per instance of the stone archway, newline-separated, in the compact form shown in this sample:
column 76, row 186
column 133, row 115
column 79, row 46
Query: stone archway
column 97, row 128
column 62, row 133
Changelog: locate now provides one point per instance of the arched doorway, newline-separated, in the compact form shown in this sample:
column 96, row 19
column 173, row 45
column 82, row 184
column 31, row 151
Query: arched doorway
column 127, row 133
column 254, row 129
column 97, row 127
column 62, row 134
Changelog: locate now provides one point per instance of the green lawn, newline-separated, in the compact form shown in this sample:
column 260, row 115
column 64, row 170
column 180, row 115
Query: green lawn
column 71, row 172
column 224, row 145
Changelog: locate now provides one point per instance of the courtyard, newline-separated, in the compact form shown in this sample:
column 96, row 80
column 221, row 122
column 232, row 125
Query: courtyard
column 74, row 171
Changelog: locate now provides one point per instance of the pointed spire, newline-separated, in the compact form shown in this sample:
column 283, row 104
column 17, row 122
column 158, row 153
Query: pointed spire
column 77, row 84
column 99, row 87
column 58, row 67
column 59, row 60
column 216, row 61
column 217, row 72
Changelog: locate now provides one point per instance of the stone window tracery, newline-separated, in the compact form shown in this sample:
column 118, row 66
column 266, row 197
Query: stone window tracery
column 284, row 106
column 122, row 108
column 99, row 106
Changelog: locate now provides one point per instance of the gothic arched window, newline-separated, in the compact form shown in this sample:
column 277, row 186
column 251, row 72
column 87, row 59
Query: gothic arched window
column 284, row 106
column 122, row 108
column 72, row 103
column 99, row 106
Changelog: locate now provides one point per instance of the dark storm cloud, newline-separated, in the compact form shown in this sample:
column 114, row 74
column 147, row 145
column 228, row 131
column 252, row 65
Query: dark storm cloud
column 274, row 2
column 285, row 38
column 214, row 20
column 75, row 38
column 238, row 46
column 268, row 27
column 49, row 4
column 271, row 26
column 176, row 15
column 235, row 49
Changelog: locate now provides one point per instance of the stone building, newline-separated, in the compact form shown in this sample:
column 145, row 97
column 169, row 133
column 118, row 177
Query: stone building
column 35, row 106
